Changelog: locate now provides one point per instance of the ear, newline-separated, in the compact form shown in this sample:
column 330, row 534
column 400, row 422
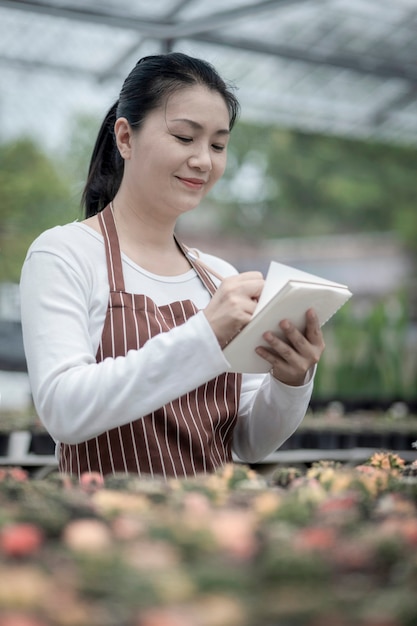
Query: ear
column 123, row 135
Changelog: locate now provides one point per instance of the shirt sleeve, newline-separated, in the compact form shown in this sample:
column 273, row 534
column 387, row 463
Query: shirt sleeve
column 77, row 398
column 269, row 413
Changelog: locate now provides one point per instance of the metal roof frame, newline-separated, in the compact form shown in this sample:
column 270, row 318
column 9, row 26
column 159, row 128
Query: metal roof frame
column 344, row 67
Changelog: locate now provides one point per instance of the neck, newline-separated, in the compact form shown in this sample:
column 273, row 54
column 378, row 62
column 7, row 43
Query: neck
column 148, row 242
column 146, row 229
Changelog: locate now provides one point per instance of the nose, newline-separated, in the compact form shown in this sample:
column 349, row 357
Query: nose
column 201, row 158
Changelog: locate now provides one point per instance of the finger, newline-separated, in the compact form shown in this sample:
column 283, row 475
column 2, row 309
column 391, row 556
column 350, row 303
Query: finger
column 251, row 275
column 252, row 283
column 295, row 349
column 281, row 350
column 249, row 284
column 288, row 367
column 313, row 330
column 295, row 338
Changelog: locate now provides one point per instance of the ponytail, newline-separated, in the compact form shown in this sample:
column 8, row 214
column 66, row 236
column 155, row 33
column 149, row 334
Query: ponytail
column 105, row 170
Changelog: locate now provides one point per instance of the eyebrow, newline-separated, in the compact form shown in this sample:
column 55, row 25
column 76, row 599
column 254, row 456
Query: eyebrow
column 197, row 126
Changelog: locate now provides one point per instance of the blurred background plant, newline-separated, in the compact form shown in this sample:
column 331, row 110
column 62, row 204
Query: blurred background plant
column 369, row 355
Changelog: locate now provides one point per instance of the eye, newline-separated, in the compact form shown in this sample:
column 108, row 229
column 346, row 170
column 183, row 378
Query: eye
column 183, row 139
column 218, row 147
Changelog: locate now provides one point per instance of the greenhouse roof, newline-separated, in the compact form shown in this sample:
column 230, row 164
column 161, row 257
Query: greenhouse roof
column 340, row 67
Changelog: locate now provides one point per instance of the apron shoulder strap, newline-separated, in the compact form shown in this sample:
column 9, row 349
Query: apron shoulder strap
column 112, row 247
column 204, row 272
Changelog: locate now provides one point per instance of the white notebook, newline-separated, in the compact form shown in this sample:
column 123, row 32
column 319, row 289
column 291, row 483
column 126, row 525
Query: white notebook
column 287, row 294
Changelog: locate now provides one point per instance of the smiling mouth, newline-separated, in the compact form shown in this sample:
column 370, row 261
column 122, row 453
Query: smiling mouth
column 192, row 183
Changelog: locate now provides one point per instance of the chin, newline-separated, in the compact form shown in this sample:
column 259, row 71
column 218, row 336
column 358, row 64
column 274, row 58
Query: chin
column 186, row 207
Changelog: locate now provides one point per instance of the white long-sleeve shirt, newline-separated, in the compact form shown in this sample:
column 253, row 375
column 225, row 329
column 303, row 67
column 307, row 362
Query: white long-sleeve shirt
column 64, row 297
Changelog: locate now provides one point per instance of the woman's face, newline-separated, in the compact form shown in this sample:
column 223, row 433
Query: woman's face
column 178, row 154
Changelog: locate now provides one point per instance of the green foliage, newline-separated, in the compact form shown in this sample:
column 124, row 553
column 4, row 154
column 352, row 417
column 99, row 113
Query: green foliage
column 314, row 185
column 35, row 196
column 76, row 157
column 369, row 355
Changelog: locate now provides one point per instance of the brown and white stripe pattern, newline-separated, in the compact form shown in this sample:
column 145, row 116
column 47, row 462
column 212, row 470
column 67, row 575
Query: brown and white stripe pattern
column 188, row 436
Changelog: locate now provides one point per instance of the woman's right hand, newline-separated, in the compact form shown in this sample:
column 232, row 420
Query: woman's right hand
column 233, row 304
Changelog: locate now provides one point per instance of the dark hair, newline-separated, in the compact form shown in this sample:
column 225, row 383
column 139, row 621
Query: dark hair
column 148, row 84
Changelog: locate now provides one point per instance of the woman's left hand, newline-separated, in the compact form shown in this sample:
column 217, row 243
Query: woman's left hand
column 291, row 359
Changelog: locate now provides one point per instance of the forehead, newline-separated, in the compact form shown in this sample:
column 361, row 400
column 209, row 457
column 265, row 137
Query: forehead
column 197, row 103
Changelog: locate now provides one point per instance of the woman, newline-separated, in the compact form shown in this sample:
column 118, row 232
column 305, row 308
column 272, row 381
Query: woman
column 124, row 327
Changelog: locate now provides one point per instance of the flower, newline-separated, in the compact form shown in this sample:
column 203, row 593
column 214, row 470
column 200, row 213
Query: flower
column 386, row 461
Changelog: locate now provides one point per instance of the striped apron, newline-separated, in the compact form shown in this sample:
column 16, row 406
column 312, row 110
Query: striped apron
column 188, row 436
